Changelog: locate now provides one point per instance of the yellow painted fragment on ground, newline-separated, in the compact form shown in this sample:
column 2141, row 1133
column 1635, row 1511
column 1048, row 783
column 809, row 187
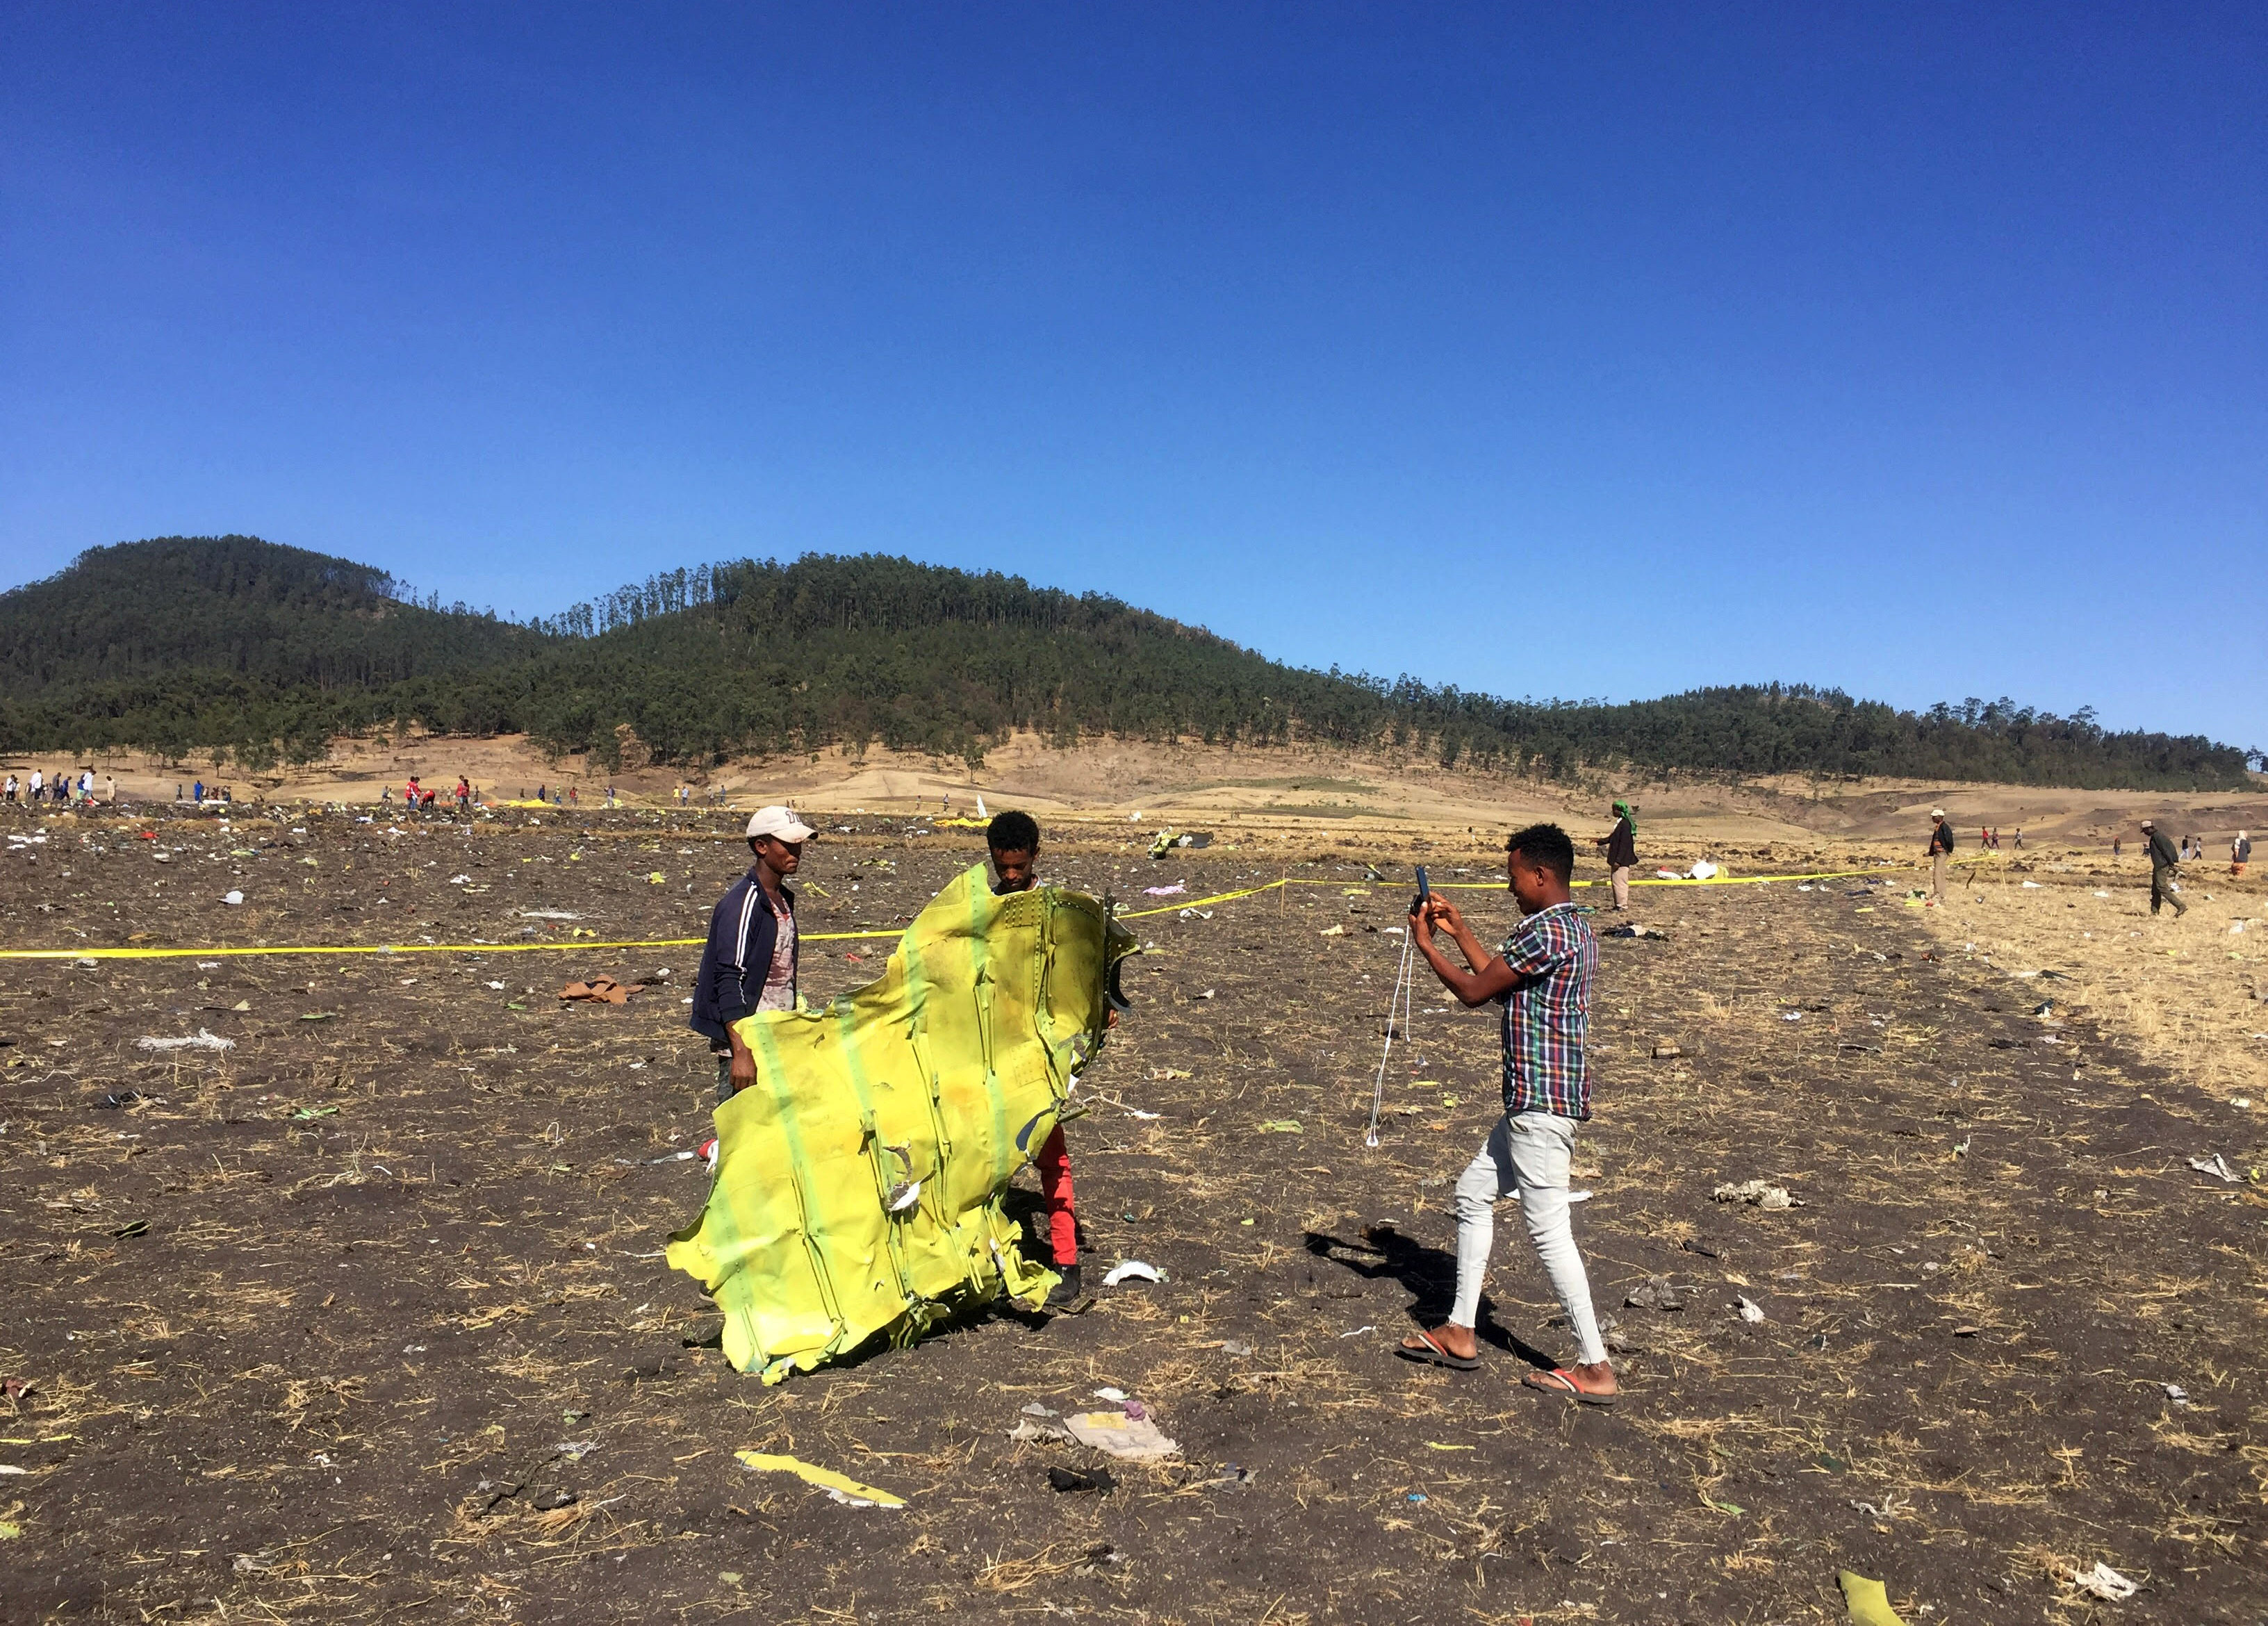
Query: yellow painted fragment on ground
column 1868, row 1604
column 858, row 1179
column 842, row 1487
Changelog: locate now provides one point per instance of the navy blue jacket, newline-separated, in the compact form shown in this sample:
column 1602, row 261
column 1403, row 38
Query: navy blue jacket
column 738, row 955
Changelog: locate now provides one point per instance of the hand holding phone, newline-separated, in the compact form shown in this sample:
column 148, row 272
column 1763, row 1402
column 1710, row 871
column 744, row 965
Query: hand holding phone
column 1424, row 894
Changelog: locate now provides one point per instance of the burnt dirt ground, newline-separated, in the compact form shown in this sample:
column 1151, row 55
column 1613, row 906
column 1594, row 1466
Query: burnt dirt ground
column 364, row 1316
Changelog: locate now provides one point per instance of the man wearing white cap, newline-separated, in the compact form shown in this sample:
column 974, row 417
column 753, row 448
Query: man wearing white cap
column 749, row 963
column 1940, row 847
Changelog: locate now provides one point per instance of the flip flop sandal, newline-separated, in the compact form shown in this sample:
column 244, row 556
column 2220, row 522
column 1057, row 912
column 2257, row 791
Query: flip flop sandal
column 1428, row 1351
column 1559, row 1381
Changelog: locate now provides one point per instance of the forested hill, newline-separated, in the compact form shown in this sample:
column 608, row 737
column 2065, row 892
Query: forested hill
column 187, row 644
column 278, row 616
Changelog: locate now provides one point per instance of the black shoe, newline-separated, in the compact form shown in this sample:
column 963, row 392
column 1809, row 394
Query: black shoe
column 1067, row 1292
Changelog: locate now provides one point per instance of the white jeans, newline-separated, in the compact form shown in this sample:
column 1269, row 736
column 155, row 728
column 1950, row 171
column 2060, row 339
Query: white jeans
column 1526, row 1155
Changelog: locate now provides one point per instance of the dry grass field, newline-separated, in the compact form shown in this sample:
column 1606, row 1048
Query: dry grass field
column 361, row 1317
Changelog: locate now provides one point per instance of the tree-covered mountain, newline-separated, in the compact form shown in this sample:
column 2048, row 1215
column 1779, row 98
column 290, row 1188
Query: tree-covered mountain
column 187, row 644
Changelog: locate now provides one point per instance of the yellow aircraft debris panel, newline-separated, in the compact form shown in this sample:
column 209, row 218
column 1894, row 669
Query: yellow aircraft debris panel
column 859, row 1179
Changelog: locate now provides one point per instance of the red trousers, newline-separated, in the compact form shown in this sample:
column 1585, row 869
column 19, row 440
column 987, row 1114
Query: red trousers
column 1054, row 1164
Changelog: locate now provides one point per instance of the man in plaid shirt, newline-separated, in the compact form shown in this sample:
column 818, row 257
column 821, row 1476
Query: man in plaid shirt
column 1541, row 974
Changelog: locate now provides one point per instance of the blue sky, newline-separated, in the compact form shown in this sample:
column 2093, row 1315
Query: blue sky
column 1920, row 350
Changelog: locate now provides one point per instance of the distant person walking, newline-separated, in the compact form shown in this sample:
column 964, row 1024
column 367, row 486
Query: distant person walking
column 1942, row 840
column 2020, row 838
column 2240, row 853
column 1621, row 844
column 2165, row 878
column 750, row 961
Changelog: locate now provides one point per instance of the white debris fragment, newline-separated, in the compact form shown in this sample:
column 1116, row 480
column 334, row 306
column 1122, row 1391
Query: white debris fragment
column 201, row 1040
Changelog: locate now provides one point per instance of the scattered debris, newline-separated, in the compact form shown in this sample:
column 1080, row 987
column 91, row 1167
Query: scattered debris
column 1235, row 1347
column 1065, row 1479
column 232, row 898
column 600, row 990
column 1750, row 1310
column 2177, row 1395
column 1667, row 1050
column 1761, row 1194
column 1865, row 1600
column 1131, row 1270
column 848, row 1491
column 202, row 1041
column 2218, row 1167
column 1657, row 1292
column 1633, row 929
column 1281, row 1126
column 2102, row 1581
column 1123, row 1434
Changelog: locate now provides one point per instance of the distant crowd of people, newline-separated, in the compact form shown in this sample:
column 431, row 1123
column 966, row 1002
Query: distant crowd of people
column 63, row 786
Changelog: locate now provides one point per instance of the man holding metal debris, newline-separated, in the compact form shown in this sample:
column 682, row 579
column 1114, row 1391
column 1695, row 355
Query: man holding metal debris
column 749, row 962
column 1013, row 839
column 2165, row 878
column 1542, row 976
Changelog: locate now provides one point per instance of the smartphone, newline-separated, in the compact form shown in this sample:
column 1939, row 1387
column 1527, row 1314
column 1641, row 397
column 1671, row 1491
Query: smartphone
column 1424, row 892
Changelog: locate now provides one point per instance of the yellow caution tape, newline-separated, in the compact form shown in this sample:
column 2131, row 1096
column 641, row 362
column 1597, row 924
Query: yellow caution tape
column 398, row 948
column 839, row 937
column 841, row 1487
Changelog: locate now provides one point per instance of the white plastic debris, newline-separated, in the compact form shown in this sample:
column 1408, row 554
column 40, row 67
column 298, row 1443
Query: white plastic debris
column 1131, row 1270
column 1750, row 1310
column 2032, row 885
column 2174, row 1393
column 232, row 898
column 1121, row 1434
column 2218, row 1167
column 2101, row 1582
column 1762, row 1193
column 1702, row 870
column 201, row 1040
column 1110, row 1393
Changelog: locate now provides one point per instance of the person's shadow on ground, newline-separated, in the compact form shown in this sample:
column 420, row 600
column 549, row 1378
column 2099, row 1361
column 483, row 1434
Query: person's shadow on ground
column 1428, row 1274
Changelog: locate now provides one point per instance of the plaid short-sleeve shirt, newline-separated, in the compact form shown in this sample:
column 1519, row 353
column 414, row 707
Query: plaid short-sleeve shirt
column 1547, row 1012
